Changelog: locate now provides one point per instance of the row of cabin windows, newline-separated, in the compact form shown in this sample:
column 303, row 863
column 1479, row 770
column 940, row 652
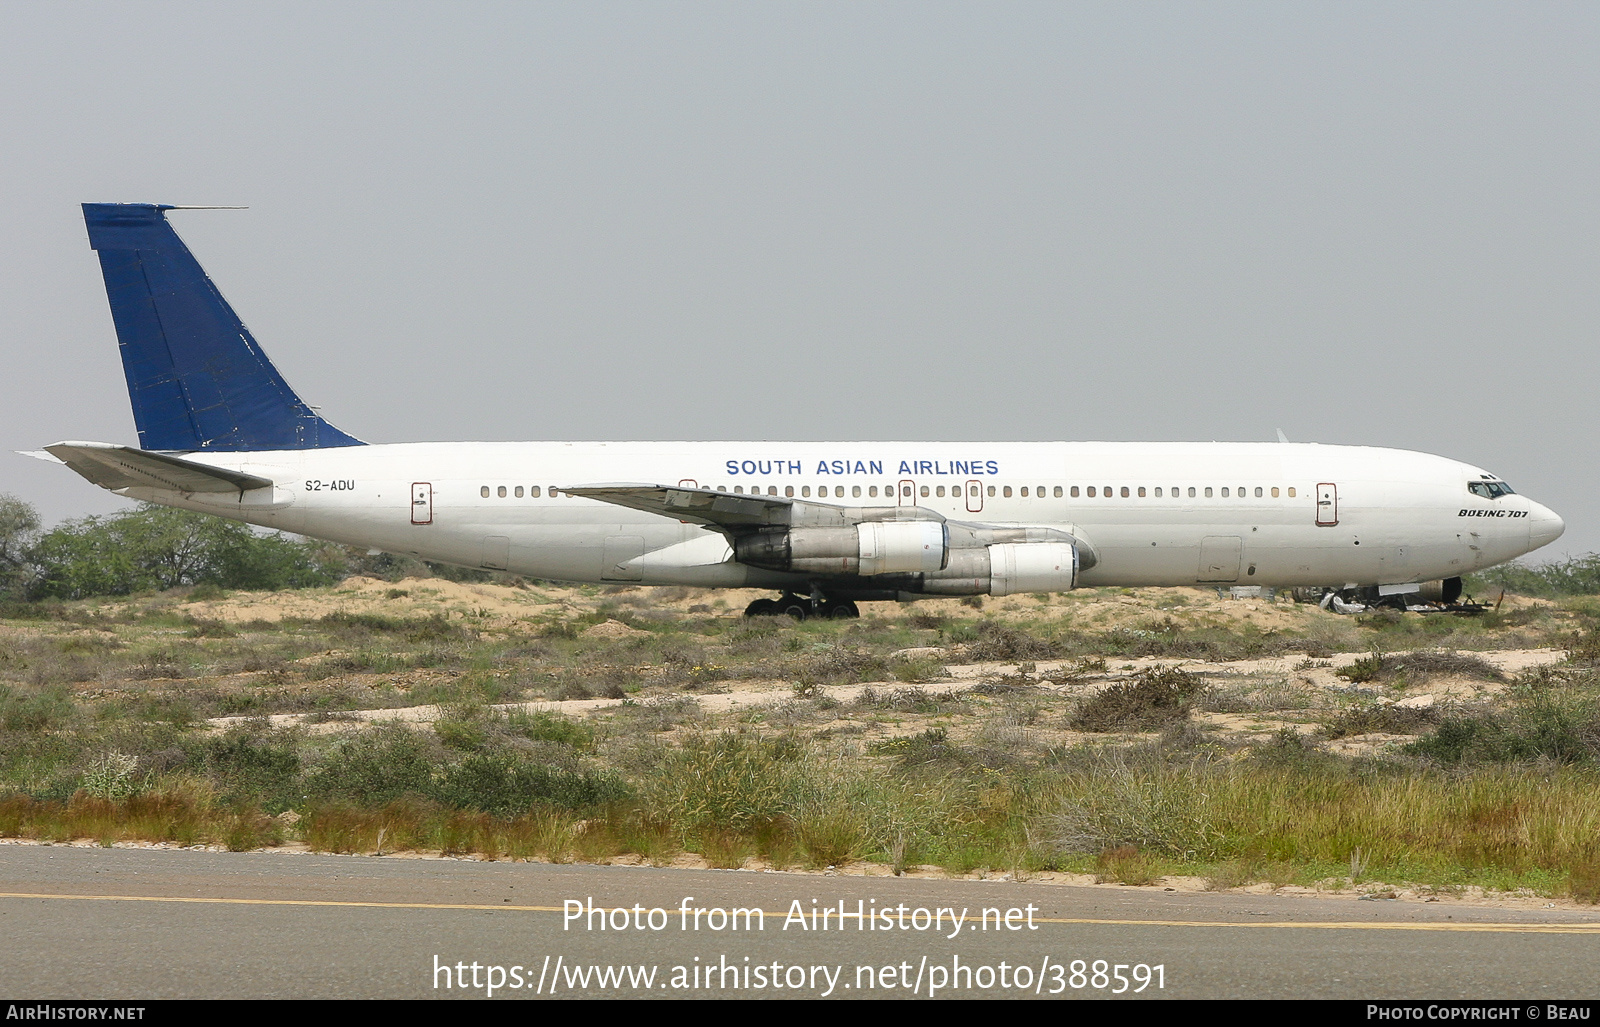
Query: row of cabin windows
column 1107, row 491
column 1005, row 491
column 1177, row 492
column 516, row 490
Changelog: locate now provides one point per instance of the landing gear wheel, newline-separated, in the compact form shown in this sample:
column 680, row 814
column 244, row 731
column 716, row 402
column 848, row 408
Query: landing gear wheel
column 845, row 610
column 795, row 607
column 762, row 608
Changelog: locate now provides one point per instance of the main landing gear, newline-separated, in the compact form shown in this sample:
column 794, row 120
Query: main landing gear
column 799, row 608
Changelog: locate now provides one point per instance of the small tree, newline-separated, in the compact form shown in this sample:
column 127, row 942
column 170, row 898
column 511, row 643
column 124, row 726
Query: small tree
column 19, row 525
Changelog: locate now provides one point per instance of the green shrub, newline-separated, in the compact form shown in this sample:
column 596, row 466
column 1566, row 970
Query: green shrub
column 1574, row 576
column 43, row 710
column 252, row 765
column 373, row 767
column 505, row 784
column 1538, row 725
column 731, row 779
column 540, row 726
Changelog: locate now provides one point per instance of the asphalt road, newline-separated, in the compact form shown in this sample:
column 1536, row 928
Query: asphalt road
column 148, row 924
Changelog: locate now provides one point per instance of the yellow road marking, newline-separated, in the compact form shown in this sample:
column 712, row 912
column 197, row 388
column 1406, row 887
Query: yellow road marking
column 1338, row 925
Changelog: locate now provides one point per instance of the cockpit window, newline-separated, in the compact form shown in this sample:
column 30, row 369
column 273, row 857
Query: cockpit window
column 1490, row 489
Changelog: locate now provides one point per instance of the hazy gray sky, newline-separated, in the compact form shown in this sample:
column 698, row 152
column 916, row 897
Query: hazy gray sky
column 1369, row 224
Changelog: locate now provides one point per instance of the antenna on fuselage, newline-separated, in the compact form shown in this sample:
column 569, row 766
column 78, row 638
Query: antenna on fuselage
column 1281, row 436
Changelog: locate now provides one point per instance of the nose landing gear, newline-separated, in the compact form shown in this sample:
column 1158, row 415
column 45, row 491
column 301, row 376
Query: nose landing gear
column 800, row 607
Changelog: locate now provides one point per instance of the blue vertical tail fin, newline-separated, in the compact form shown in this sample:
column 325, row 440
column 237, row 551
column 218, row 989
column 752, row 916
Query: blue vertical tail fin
column 196, row 376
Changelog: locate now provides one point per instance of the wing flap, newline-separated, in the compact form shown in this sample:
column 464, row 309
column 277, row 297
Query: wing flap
column 121, row 467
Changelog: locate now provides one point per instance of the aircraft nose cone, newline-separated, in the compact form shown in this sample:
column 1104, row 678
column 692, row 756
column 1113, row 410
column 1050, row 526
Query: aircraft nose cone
column 1544, row 527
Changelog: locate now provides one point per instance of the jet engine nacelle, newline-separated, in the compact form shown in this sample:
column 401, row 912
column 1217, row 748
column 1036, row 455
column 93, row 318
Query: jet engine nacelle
column 866, row 549
column 1032, row 567
column 1008, row 569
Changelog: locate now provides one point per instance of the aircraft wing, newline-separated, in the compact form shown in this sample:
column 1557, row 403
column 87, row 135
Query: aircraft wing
column 720, row 510
column 121, row 467
column 734, row 514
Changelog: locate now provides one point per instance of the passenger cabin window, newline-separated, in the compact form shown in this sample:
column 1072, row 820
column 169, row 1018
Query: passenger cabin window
column 840, row 490
column 1224, row 492
column 484, row 492
column 1141, row 491
column 1158, row 492
column 1007, row 492
column 855, row 492
column 534, row 492
column 1074, row 492
column 518, row 491
column 872, row 490
column 1191, row 492
column 1024, row 492
column 1091, row 491
column 1058, row 491
column 1124, row 492
column 991, row 491
column 1258, row 491
column 1274, row 492
column 939, row 491
column 1291, row 492
column 788, row 490
column 1208, row 492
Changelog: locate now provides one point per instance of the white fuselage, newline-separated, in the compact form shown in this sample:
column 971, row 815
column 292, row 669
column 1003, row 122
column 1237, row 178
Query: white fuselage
column 1155, row 514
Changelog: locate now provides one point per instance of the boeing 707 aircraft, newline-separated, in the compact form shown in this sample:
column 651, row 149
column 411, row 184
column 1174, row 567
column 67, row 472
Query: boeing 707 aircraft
column 825, row 525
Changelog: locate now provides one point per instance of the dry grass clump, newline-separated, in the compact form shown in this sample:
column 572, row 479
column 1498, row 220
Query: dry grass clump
column 1005, row 685
column 1583, row 880
column 657, row 715
column 1406, row 669
column 1125, row 864
column 1382, row 718
column 933, row 748
column 907, row 700
column 996, row 642
column 1155, row 698
column 182, row 810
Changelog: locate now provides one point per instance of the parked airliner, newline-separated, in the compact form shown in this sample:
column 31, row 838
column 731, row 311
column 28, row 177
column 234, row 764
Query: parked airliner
column 824, row 524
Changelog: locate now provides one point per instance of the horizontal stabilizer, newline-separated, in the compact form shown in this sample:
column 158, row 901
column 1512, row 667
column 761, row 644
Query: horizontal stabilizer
column 121, row 467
